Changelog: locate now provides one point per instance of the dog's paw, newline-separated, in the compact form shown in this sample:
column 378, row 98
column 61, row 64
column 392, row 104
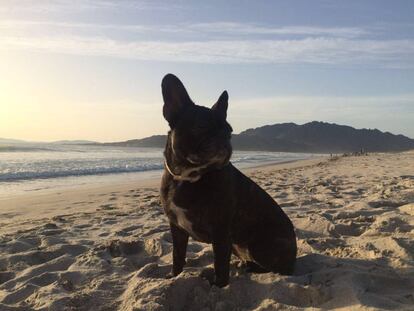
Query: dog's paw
column 169, row 275
column 172, row 274
column 251, row 267
column 208, row 274
column 220, row 283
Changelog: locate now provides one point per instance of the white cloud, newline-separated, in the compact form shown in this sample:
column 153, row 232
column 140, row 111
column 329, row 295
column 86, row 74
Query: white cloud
column 254, row 29
column 321, row 50
column 28, row 25
column 51, row 6
column 219, row 42
column 223, row 29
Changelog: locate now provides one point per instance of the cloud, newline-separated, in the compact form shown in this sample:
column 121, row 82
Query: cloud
column 218, row 42
column 223, row 29
column 51, row 6
column 254, row 29
column 320, row 50
column 45, row 26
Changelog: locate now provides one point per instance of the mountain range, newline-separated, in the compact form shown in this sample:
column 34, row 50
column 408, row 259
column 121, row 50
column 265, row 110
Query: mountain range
column 318, row 137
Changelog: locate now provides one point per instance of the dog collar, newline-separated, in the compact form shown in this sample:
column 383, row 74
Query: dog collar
column 179, row 177
column 189, row 179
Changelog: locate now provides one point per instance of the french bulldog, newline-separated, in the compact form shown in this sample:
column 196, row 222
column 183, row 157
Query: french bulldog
column 204, row 196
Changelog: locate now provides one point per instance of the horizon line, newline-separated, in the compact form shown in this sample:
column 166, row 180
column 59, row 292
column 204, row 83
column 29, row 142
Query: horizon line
column 22, row 140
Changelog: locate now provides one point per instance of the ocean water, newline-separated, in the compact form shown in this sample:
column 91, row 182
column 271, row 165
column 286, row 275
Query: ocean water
column 37, row 167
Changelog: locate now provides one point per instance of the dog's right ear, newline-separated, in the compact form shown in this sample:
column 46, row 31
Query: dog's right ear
column 176, row 98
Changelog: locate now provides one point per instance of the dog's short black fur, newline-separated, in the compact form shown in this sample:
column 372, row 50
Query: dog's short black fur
column 207, row 198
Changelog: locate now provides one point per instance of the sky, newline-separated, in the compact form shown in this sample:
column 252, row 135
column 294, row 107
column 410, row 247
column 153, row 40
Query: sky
column 92, row 69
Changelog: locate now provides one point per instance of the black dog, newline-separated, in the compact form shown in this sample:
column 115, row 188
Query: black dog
column 207, row 198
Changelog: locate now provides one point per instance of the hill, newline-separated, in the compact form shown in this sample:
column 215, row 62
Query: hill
column 310, row 137
column 319, row 137
column 156, row 141
column 8, row 141
column 73, row 142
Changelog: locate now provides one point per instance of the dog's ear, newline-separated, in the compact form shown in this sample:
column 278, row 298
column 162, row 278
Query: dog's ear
column 175, row 98
column 222, row 104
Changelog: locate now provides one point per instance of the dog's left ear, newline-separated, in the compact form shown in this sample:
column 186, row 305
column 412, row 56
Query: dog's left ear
column 176, row 98
column 221, row 105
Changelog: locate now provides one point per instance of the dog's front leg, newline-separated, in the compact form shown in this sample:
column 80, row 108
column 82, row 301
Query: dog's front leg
column 180, row 241
column 222, row 252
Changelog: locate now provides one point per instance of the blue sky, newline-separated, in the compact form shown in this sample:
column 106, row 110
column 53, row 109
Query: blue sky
column 92, row 69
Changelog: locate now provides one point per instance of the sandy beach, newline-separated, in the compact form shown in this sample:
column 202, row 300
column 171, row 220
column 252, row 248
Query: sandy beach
column 109, row 248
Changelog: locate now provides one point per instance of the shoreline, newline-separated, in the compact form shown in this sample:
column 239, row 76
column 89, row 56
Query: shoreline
column 23, row 206
column 15, row 189
column 150, row 181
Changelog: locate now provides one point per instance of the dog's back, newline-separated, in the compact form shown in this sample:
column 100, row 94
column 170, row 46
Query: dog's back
column 262, row 226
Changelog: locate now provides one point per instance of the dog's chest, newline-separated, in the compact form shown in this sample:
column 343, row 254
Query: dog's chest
column 188, row 209
column 183, row 220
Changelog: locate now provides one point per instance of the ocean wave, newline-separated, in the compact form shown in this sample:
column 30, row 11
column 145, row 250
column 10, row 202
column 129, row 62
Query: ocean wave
column 30, row 175
column 23, row 149
column 72, row 161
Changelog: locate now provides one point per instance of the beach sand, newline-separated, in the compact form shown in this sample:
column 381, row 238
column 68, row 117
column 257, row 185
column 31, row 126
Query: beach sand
column 109, row 248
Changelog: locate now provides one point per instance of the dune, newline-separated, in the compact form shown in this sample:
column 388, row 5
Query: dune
column 109, row 248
